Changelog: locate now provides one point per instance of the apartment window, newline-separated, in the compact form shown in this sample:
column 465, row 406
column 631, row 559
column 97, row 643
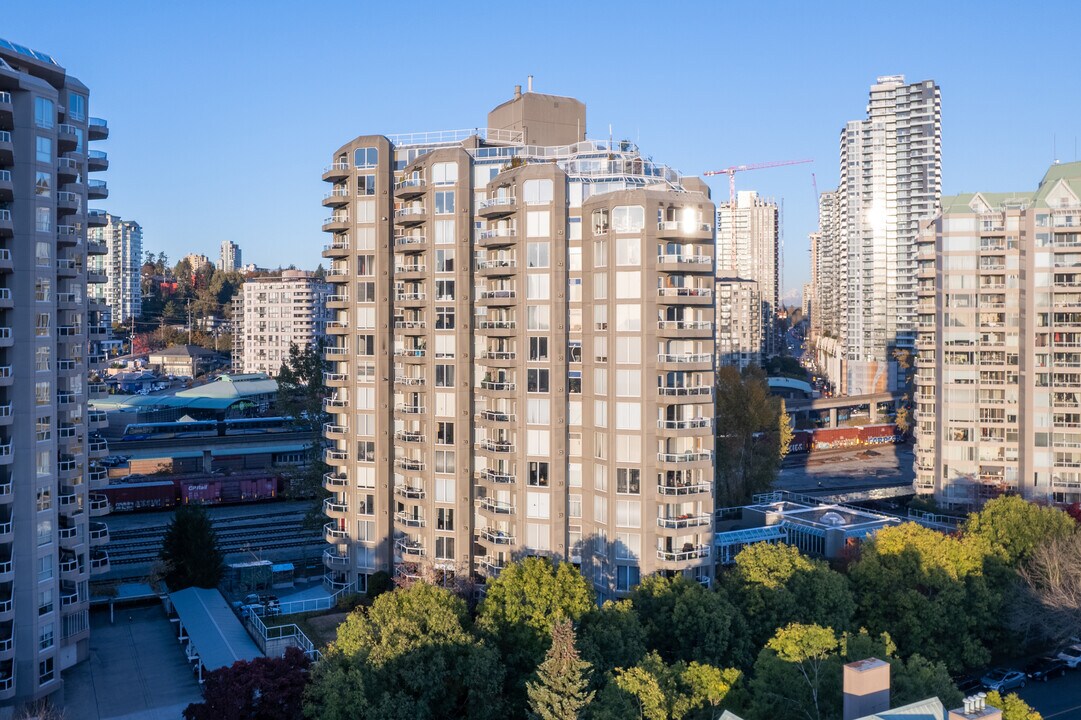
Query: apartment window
column 444, row 261
column 44, row 113
column 444, row 461
column 444, row 318
column 365, row 184
column 444, row 346
column 44, row 499
column 444, row 202
column 444, row 490
column 43, row 392
column 537, row 287
column 629, row 481
column 444, row 519
column 600, row 509
column 537, row 192
column 366, row 451
column 444, row 289
column 574, row 259
column 366, row 292
column 629, row 251
column 574, row 382
column 77, row 106
column 628, row 546
column 43, row 325
column 43, row 253
column 537, row 254
column 444, row 173
column 538, row 505
column 538, row 411
column 629, row 318
column 575, row 289
column 41, row 358
column 366, row 265
column 43, row 428
column 538, row 474
column 367, row 157
column 538, row 317
column 365, row 211
column 45, row 602
column 600, row 349
column 628, row 449
column 365, row 238
column 366, row 345
column 366, row 531
column 629, row 350
column 628, row 285
column 600, row 413
column 45, row 150
column 367, row 505
column 45, row 567
column 538, row 349
column 574, row 474
column 444, row 376
column 627, row 577
column 574, row 506
column 46, row 673
column 600, row 253
column 42, row 290
column 45, row 531
column 537, row 380
column 444, row 433
column 43, row 184
column 628, row 383
column 574, row 351
column 538, row 223
column 444, row 548
column 444, row 232
column 43, row 219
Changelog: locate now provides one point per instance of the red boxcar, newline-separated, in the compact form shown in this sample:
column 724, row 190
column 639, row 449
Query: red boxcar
column 200, row 492
column 127, row 497
column 804, row 441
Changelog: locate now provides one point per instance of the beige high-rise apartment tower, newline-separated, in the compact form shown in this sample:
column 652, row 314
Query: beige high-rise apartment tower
column 51, row 542
column 998, row 390
column 522, row 353
column 748, row 247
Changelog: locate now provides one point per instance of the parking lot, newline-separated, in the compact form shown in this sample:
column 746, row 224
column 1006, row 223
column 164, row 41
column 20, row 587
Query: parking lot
column 1057, row 699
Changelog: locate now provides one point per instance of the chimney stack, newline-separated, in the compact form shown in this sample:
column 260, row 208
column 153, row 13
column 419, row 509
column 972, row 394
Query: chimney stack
column 529, row 84
column 866, row 688
column 517, row 91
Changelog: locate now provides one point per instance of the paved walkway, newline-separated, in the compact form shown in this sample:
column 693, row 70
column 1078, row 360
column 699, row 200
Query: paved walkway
column 136, row 670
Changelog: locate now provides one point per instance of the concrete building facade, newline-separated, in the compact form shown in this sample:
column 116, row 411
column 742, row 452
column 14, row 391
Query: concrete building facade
column 229, row 259
column 270, row 314
column 748, row 246
column 522, row 353
column 739, row 322
column 890, row 180
column 122, row 266
column 998, row 391
column 51, row 538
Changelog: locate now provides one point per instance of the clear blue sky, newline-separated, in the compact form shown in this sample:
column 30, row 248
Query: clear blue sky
column 223, row 113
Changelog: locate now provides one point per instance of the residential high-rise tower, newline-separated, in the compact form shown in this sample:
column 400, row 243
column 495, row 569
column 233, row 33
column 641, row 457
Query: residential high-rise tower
column 270, row 314
column 748, row 245
column 50, row 542
column 230, row 258
column 523, row 354
column 122, row 266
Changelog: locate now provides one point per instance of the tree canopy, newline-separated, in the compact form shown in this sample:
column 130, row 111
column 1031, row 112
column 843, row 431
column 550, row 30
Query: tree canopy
column 560, row 688
column 190, row 550
column 748, row 438
column 267, row 688
column 655, row 690
column 1015, row 528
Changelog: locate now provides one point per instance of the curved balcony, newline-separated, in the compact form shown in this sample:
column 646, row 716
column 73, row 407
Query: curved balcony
column 677, row 489
column 490, row 564
column 7, row 224
column 335, row 508
column 334, row 405
column 337, row 274
column 688, row 520
column 499, row 447
column 337, row 327
column 336, row 223
column 334, row 559
column 690, row 457
column 7, row 454
column 332, row 431
column 69, row 567
column 409, row 436
column 97, row 449
column 93, row 247
column 408, row 520
column 684, row 296
column 694, row 392
column 7, row 416
column 67, row 235
column 7, row 186
column 497, row 207
column 689, row 362
column 497, row 237
column 408, row 463
column 67, row 170
column 335, row 481
column 497, row 298
column 97, row 161
column 337, row 197
column 336, row 171
column 496, row 267
column 334, row 353
column 410, row 299
column 689, row 426
column 681, row 230
column 335, row 379
column 685, row 328
column 7, row 378
column 336, row 457
column 685, row 263
column 495, row 418
column 409, row 548
column 337, row 249
column 99, row 533
column 67, row 202
column 409, row 409
column 67, row 268
column 7, row 110
column 494, row 507
column 97, row 419
column 496, row 537
column 97, row 189
column 688, row 552
column 493, row 476
column 97, row 129
column 409, row 492
column 499, row 387
column 410, row 188
column 98, row 505
column 408, row 216
column 334, row 535
column 409, row 380
column 411, row 327
column 69, row 535
column 498, row 358
column 67, row 137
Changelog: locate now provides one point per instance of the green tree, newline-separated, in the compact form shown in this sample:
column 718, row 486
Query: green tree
column 1015, row 528
column 301, row 390
column 190, row 550
column 655, row 690
column 794, row 674
column 785, row 433
column 748, row 448
column 561, row 688
column 410, row 655
column 685, row 621
column 774, row 585
column 938, row 595
column 610, row 637
column 522, row 605
column 1012, row 706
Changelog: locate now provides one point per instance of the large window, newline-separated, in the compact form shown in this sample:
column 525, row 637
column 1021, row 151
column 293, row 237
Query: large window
column 537, row 192
column 44, row 115
column 444, row 202
column 44, row 150
column 77, row 106
column 537, row 255
column 445, row 173
column 43, row 184
column 628, row 218
column 538, row 223
column 366, row 157
column 365, row 184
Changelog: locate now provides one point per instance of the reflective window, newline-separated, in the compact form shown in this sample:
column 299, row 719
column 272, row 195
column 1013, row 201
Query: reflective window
column 366, row 157
column 44, row 115
column 76, row 106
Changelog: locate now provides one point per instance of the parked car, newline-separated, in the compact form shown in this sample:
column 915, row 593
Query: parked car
column 1001, row 679
column 968, row 684
column 1071, row 656
column 1045, row 667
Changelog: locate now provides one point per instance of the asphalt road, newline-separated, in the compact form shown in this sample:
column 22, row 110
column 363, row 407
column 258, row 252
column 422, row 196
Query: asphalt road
column 882, row 465
column 1057, row 699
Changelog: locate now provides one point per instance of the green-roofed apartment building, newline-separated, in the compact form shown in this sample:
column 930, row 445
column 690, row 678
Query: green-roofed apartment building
column 998, row 385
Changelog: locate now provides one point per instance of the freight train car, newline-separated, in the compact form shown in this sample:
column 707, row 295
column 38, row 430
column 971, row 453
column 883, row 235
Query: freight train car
column 809, row 441
column 192, row 490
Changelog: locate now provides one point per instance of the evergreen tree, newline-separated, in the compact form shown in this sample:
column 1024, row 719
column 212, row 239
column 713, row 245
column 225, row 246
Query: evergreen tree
column 560, row 691
column 190, row 550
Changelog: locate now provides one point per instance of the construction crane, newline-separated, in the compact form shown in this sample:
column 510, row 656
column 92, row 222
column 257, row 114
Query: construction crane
column 731, row 173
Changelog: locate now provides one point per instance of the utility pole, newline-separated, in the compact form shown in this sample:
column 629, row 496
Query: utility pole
column 189, row 322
